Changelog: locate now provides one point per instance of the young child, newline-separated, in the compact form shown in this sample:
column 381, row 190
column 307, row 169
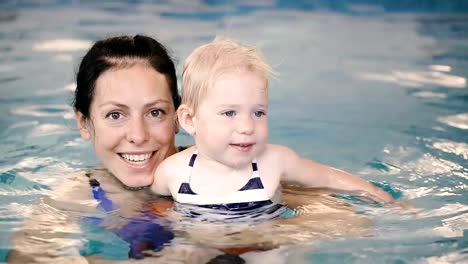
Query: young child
column 232, row 166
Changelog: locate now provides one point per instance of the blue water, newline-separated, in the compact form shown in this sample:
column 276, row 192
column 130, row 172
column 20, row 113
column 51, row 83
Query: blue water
column 377, row 88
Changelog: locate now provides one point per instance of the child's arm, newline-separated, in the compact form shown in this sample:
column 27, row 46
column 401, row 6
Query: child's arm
column 161, row 179
column 312, row 174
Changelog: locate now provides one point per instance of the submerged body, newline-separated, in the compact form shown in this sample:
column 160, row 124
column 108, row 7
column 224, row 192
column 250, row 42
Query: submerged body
column 70, row 206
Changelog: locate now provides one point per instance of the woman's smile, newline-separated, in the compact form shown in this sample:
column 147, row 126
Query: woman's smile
column 137, row 159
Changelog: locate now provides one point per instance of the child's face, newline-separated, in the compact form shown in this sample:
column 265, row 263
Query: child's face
column 230, row 123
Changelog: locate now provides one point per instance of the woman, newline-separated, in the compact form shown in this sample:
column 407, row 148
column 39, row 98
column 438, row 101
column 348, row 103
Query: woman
column 125, row 102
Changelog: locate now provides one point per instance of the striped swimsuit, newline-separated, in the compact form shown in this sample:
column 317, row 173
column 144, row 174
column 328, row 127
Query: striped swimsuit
column 252, row 196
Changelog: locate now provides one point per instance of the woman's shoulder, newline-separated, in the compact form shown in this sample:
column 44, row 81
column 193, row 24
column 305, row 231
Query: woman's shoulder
column 70, row 184
column 72, row 193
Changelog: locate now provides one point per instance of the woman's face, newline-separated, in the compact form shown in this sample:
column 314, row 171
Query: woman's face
column 132, row 123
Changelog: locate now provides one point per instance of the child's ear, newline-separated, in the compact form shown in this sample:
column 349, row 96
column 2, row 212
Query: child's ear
column 83, row 126
column 186, row 118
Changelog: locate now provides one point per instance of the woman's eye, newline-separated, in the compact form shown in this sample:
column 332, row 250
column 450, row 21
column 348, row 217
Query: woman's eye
column 114, row 115
column 259, row 113
column 155, row 113
column 229, row 113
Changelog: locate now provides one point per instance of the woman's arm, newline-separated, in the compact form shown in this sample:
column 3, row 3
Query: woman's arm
column 312, row 174
column 51, row 234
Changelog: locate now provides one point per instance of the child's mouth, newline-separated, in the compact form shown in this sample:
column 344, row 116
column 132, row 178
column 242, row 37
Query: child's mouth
column 243, row 147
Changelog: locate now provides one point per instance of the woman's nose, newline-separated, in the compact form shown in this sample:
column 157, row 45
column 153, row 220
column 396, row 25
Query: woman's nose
column 137, row 132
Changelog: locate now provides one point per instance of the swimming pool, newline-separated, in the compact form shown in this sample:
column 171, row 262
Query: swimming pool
column 376, row 89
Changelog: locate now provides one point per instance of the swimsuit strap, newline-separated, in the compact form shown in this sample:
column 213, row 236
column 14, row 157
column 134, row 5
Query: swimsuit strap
column 191, row 164
column 141, row 233
column 255, row 172
column 185, row 185
column 254, row 182
column 100, row 195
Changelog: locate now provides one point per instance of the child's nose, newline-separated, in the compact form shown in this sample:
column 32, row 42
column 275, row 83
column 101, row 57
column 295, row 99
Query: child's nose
column 245, row 125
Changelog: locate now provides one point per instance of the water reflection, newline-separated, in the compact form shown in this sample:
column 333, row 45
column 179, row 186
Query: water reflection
column 42, row 110
column 430, row 95
column 457, row 148
column 418, row 78
column 48, row 130
column 64, row 90
column 445, row 210
column 62, row 57
column 459, row 120
column 62, row 45
column 435, row 174
column 455, row 226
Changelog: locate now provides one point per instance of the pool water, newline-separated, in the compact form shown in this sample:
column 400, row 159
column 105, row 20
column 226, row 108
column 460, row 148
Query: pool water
column 377, row 88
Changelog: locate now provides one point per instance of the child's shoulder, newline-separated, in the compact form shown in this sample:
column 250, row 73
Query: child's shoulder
column 276, row 153
column 275, row 150
column 178, row 159
column 181, row 156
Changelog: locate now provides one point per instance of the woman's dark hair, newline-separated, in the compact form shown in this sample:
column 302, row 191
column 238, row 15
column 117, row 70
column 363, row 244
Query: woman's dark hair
column 114, row 52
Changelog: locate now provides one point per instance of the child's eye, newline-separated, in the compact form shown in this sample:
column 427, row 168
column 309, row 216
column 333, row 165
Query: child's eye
column 259, row 113
column 114, row 115
column 229, row 113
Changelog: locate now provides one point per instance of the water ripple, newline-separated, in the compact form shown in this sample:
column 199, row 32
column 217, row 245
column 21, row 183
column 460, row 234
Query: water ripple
column 422, row 164
column 453, row 257
column 459, row 121
column 16, row 187
column 48, row 129
column 429, row 94
column 416, row 78
column 44, row 171
column 62, row 45
column 9, row 79
column 448, row 209
column 457, row 148
column 66, row 89
column 12, row 211
column 43, row 110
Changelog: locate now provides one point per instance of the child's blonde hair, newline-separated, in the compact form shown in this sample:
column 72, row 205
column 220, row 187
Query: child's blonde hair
column 207, row 62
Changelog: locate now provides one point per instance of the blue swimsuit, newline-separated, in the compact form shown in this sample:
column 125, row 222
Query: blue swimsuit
column 141, row 233
column 252, row 196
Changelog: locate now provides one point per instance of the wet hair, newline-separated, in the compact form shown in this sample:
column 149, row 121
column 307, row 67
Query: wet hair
column 120, row 52
column 208, row 62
